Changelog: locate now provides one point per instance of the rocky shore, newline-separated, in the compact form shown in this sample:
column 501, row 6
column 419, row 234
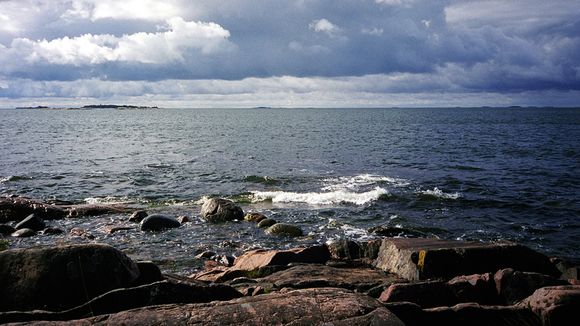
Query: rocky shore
column 385, row 281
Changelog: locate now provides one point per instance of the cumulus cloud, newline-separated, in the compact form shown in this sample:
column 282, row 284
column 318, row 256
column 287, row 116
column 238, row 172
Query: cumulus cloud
column 126, row 9
column 324, row 26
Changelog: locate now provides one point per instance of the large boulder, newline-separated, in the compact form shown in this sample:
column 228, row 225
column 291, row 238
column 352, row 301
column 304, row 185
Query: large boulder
column 346, row 249
column 85, row 210
column 219, row 210
column 474, row 314
column 324, row 306
column 426, row 294
column 18, row 208
column 157, row 222
column 513, row 286
column 59, row 278
column 284, row 230
column 555, row 305
column 421, row 259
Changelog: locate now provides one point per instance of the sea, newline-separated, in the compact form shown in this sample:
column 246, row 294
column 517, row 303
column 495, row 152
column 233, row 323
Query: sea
column 474, row 174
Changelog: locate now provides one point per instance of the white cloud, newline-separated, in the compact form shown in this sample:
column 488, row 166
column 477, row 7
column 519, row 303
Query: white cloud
column 125, row 10
column 394, row 2
column 157, row 48
column 324, row 26
column 372, row 31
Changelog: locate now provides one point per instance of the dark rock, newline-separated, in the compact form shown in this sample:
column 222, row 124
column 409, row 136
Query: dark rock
column 52, row 230
column 157, row 222
column 419, row 259
column 6, row 229
column 426, row 294
column 315, row 276
column 219, row 210
column 24, row 233
column 110, row 229
column 18, row 208
column 555, row 305
column 182, row 219
column 138, row 216
column 569, row 271
column 300, row 307
column 59, row 278
column 284, row 229
column 514, row 286
column 478, row 288
column 81, row 233
column 94, row 210
column 267, row 222
column 205, row 254
column 409, row 313
column 148, row 273
column 477, row 315
column 225, row 260
column 33, row 222
column 349, row 250
column 254, row 217
column 163, row 292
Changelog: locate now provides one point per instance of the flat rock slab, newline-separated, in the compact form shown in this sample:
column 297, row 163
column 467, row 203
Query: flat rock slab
column 422, row 259
column 327, row 306
column 313, row 276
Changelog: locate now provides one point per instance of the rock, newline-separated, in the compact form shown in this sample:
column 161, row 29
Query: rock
column 205, row 254
column 345, row 249
column 58, row 278
column 514, row 286
column 261, row 258
column 138, row 216
column 254, row 217
column 555, row 305
column 474, row 314
column 32, row 221
column 426, row 294
column 326, row 306
column 51, row 231
column 94, row 210
column 183, row 219
column 315, row 276
column 18, row 208
column 569, row 271
column 6, row 229
column 81, row 233
column 24, row 233
column 284, row 229
column 266, row 223
column 157, row 222
column 148, row 273
column 110, row 229
column 420, row 259
column 219, row 210
column 478, row 288
column 163, row 292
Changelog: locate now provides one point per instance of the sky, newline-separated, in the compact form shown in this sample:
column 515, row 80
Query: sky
column 294, row 53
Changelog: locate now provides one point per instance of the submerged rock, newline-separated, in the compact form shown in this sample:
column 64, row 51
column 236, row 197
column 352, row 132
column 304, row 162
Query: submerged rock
column 219, row 210
column 284, row 229
column 157, row 222
column 254, row 217
column 267, row 222
column 60, row 278
column 138, row 216
column 32, row 221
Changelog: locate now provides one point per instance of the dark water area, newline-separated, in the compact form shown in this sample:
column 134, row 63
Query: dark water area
column 482, row 174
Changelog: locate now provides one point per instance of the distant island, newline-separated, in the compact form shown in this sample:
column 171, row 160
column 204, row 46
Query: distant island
column 89, row 107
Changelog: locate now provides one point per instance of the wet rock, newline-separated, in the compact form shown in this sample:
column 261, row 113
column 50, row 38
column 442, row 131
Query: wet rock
column 6, row 229
column 52, row 231
column 138, row 216
column 426, row 294
column 32, row 221
column 59, row 278
column 94, row 210
column 420, row 259
column 148, row 273
column 555, row 305
column 254, row 217
column 261, row 258
column 205, row 254
column 345, row 249
column 266, row 223
column 24, row 233
column 219, row 210
column 513, row 286
column 18, row 208
column 299, row 307
column 162, row 292
column 284, row 229
column 157, row 222
column 81, row 233
column 183, row 219
column 315, row 276
column 478, row 315
column 110, row 229
column 478, row 288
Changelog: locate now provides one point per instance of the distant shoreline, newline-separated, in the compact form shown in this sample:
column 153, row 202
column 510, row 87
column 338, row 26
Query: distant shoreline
column 89, row 107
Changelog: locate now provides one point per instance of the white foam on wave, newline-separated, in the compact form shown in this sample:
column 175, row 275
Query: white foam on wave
column 436, row 192
column 320, row 198
column 359, row 181
column 109, row 200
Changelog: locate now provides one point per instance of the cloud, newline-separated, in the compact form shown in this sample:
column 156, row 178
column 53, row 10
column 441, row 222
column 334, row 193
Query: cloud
column 151, row 48
column 126, row 9
column 324, row 26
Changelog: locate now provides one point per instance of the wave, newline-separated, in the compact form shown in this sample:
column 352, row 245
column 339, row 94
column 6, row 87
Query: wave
column 14, row 178
column 109, row 200
column 359, row 181
column 438, row 193
column 320, row 198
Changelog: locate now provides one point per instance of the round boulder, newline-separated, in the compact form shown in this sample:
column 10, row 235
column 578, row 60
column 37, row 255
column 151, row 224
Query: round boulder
column 32, row 221
column 158, row 222
column 266, row 223
column 285, row 229
column 254, row 217
column 219, row 210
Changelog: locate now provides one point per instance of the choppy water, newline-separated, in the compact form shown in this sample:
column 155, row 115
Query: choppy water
column 477, row 174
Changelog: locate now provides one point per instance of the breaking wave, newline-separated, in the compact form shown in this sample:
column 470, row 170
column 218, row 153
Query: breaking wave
column 438, row 193
column 320, row 198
